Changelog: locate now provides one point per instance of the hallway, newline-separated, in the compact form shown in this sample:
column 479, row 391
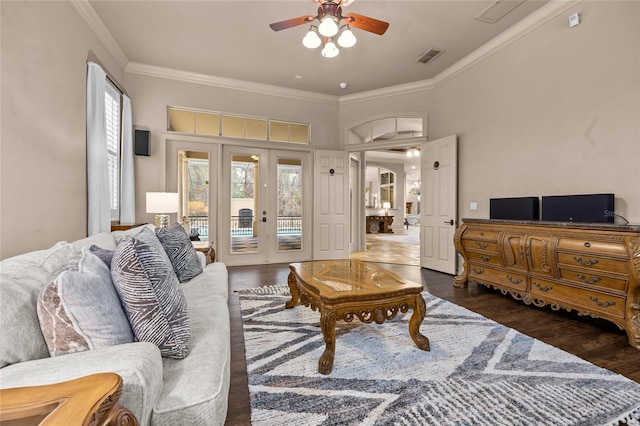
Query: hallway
column 400, row 248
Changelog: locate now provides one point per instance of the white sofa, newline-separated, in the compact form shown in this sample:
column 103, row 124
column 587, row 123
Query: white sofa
column 158, row 390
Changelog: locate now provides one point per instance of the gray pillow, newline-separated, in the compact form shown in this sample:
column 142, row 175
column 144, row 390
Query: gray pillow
column 181, row 252
column 151, row 294
column 80, row 310
column 104, row 254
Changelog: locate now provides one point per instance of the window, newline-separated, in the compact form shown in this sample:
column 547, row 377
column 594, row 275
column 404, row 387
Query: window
column 112, row 101
column 236, row 126
column 387, row 187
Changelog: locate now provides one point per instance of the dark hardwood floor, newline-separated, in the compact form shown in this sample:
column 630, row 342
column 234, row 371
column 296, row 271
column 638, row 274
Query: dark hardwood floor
column 596, row 341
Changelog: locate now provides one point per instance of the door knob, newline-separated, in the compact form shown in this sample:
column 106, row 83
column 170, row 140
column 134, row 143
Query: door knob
column 450, row 222
column 264, row 219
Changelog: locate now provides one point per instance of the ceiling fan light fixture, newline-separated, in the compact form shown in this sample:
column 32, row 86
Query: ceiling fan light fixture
column 328, row 26
column 312, row 39
column 347, row 38
column 330, row 50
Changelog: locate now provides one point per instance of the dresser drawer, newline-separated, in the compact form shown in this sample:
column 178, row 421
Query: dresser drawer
column 480, row 245
column 589, row 246
column 588, row 300
column 595, row 279
column 594, row 262
column 493, row 258
column 484, row 273
column 479, row 234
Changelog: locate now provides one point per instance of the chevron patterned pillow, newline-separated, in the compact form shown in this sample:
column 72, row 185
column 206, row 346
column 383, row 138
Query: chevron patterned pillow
column 151, row 294
column 181, row 252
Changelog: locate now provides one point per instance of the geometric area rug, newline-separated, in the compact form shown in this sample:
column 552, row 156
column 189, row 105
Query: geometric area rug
column 478, row 372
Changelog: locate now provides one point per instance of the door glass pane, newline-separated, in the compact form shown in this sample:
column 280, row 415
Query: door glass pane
column 289, row 201
column 244, row 182
column 193, row 190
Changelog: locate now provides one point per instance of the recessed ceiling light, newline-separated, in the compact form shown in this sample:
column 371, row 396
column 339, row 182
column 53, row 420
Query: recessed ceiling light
column 298, row 77
column 343, row 85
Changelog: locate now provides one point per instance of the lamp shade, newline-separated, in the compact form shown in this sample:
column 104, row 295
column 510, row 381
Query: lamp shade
column 162, row 202
column 386, row 205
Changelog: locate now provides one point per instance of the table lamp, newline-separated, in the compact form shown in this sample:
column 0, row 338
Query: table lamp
column 386, row 206
column 162, row 203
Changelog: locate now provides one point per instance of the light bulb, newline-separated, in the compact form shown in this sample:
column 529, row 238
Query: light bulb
column 330, row 50
column 347, row 39
column 311, row 40
column 328, row 26
column 416, row 153
column 409, row 154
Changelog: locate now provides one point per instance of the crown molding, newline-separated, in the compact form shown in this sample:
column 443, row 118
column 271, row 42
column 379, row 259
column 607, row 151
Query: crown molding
column 538, row 18
column 93, row 20
column 228, row 83
column 547, row 12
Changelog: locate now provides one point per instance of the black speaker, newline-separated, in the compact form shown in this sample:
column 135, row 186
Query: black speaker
column 142, row 142
column 590, row 208
column 516, row 208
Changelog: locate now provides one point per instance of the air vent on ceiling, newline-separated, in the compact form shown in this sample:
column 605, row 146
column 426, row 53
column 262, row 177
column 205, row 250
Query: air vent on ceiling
column 497, row 10
column 430, row 55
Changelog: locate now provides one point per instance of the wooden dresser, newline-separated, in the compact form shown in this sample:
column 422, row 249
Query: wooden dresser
column 593, row 269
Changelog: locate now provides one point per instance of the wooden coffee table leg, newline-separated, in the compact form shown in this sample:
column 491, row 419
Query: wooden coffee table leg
column 419, row 311
column 328, row 325
column 293, row 288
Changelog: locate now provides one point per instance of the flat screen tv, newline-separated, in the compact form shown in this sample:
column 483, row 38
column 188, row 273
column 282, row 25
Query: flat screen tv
column 588, row 208
column 515, row 208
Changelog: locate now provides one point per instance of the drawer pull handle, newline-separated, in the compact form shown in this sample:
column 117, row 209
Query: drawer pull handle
column 604, row 304
column 482, row 245
column 545, row 288
column 478, row 271
column 485, row 258
column 582, row 278
column 514, row 280
column 587, row 244
column 589, row 262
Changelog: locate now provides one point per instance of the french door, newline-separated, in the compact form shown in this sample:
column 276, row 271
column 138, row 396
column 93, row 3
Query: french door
column 266, row 206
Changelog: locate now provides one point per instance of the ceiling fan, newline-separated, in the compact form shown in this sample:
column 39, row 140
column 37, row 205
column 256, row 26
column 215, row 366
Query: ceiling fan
column 330, row 18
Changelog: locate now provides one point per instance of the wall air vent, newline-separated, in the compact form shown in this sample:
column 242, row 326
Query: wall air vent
column 430, row 55
column 497, row 10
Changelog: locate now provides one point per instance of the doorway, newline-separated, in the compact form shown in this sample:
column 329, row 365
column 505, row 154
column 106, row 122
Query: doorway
column 390, row 189
column 266, row 216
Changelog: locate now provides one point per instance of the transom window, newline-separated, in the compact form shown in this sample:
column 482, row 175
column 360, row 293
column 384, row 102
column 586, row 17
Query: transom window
column 236, row 126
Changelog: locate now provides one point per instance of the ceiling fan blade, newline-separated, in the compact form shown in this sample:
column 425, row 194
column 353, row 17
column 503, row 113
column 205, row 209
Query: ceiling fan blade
column 293, row 22
column 366, row 23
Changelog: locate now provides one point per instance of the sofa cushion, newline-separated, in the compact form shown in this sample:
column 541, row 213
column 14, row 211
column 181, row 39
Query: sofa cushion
column 21, row 280
column 151, row 294
column 188, row 393
column 80, row 309
column 181, row 252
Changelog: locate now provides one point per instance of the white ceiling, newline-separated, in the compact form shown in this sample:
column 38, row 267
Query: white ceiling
column 232, row 39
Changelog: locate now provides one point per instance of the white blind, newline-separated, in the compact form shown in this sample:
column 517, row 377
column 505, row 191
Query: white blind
column 112, row 114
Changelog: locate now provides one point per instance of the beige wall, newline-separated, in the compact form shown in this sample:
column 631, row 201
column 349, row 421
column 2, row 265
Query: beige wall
column 152, row 95
column 45, row 46
column 556, row 112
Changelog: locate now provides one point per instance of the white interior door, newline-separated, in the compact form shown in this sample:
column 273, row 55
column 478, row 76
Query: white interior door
column 331, row 201
column 266, row 212
column 438, row 204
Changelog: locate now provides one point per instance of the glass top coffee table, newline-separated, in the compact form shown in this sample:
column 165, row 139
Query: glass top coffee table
column 349, row 289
